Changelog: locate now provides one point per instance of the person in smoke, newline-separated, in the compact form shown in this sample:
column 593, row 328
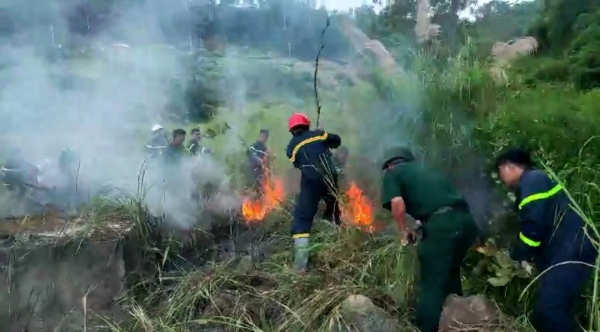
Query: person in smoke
column 66, row 189
column 448, row 228
column 194, row 146
column 258, row 160
column 158, row 140
column 309, row 151
column 175, row 150
column 19, row 175
column 552, row 234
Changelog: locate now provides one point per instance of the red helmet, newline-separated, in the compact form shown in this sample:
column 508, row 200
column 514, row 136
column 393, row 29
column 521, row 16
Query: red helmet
column 298, row 119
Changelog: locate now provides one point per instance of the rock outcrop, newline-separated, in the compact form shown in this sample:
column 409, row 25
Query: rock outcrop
column 360, row 314
column 506, row 52
column 424, row 29
column 473, row 313
column 365, row 46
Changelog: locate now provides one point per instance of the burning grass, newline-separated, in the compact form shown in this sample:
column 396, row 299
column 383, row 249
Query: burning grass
column 358, row 209
column 271, row 196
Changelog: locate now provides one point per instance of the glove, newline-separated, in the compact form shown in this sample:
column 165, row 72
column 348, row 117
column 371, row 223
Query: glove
column 527, row 267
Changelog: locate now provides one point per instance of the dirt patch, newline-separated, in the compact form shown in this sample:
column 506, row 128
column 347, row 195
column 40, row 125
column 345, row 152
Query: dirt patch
column 60, row 288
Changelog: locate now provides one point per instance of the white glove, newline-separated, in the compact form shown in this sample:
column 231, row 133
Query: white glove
column 527, row 267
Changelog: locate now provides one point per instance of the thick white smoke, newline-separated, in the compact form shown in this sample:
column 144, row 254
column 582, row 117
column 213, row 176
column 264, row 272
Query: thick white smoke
column 119, row 86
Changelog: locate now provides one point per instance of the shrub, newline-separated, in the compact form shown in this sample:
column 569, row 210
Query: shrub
column 549, row 70
column 583, row 53
column 559, row 124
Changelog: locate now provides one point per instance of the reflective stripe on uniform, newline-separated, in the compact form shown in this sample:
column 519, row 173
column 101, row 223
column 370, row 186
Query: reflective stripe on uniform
column 306, row 141
column 258, row 151
column 301, row 236
column 9, row 170
column 532, row 198
column 540, row 196
column 529, row 241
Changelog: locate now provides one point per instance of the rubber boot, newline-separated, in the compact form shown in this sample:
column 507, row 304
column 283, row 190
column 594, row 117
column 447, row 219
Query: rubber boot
column 301, row 255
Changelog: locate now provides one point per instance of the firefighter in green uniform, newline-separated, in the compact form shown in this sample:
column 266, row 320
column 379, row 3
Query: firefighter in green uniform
column 446, row 227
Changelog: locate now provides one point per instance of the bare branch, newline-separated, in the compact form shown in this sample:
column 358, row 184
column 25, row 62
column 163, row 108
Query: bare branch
column 317, row 71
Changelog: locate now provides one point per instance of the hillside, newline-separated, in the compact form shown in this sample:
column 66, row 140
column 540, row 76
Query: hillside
column 191, row 250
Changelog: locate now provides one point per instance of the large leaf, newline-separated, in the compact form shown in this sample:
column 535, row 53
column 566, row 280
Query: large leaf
column 499, row 281
column 503, row 259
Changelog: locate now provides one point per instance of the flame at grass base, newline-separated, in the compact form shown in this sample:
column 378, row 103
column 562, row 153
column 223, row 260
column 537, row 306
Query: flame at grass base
column 358, row 209
column 255, row 210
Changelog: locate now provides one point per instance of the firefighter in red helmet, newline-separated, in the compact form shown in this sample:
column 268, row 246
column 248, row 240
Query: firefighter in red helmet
column 309, row 150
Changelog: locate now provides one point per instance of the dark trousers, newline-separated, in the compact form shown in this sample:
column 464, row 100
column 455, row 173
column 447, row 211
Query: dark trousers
column 258, row 175
column 560, row 288
column 446, row 239
column 307, row 204
column 255, row 178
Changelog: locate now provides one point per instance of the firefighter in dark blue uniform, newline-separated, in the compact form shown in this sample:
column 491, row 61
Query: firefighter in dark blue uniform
column 551, row 233
column 309, row 150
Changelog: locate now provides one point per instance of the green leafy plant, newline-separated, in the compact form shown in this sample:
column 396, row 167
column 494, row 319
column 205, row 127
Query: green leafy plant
column 498, row 267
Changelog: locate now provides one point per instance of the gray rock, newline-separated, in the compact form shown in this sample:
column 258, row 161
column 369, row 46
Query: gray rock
column 361, row 315
column 473, row 313
column 245, row 264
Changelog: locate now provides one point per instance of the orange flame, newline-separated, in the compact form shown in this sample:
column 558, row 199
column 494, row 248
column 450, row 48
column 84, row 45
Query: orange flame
column 358, row 209
column 255, row 210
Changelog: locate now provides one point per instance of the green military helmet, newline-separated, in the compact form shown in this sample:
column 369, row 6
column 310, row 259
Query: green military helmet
column 396, row 152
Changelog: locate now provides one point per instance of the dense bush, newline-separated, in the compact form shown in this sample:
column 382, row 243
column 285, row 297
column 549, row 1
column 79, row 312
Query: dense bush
column 559, row 124
column 584, row 50
column 557, row 25
column 551, row 70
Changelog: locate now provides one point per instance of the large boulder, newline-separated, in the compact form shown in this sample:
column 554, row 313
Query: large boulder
column 473, row 313
column 506, row 52
column 366, row 47
column 360, row 314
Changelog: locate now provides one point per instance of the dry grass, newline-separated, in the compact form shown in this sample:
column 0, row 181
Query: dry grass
column 269, row 296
